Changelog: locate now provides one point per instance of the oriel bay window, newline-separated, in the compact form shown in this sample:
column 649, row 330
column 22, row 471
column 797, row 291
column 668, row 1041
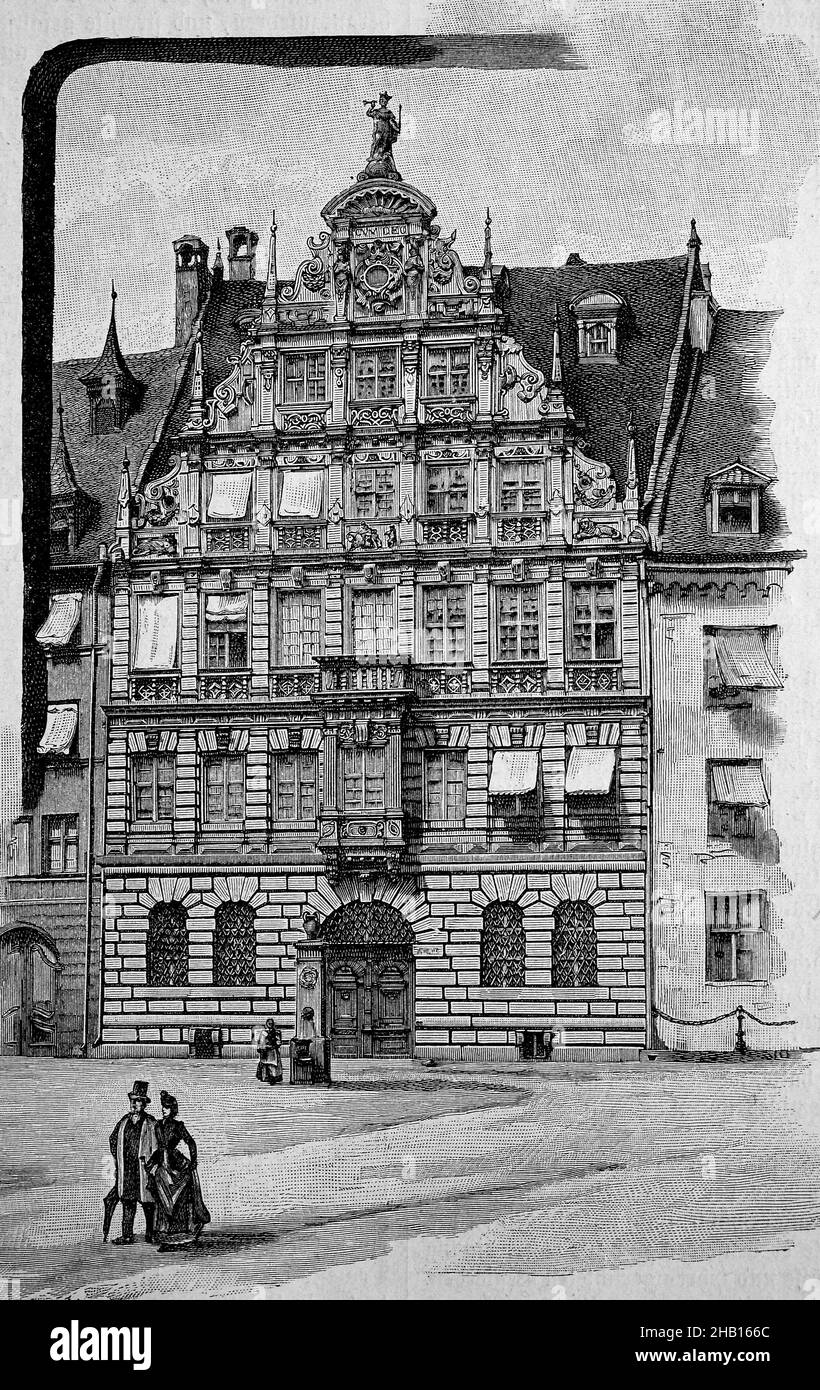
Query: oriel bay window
column 518, row 622
column 152, row 786
column 224, row 787
column 445, row 623
column 445, row 785
column 373, row 623
column 736, row 940
column 363, row 778
column 593, row 622
column 447, row 489
column 448, row 371
column 376, row 374
column 304, row 377
column 294, row 779
column 299, row 631
column 374, row 491
column 226, row 632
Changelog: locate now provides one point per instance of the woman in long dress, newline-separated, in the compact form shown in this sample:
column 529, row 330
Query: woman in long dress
column 180, row 1212
column 269, row 1042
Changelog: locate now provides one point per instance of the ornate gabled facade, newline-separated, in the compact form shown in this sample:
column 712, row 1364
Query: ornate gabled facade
column 378, row 728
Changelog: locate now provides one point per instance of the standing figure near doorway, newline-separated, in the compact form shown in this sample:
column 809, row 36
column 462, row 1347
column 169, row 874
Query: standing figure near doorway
column 132, row 1142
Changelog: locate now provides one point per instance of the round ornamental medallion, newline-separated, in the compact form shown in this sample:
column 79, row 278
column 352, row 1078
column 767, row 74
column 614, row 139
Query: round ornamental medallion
column 308, row 977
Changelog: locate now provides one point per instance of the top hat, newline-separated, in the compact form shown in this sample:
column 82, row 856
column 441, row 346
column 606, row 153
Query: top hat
column 139, row 1092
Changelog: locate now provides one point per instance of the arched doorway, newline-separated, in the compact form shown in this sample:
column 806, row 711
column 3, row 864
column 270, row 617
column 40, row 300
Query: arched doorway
column 28, row 993
column 369, row 974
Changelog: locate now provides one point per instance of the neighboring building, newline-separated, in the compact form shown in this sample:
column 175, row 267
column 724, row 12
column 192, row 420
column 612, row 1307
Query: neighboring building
column 716, row 580
column 51, row 911
column 378, row 728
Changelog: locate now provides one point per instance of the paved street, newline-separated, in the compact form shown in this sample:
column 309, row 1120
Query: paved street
column 639, row 1180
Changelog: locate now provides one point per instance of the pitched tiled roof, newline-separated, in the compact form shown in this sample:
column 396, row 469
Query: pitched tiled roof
column 729, row 420
column 96, row 459
column 223, row 332
column 602, row 394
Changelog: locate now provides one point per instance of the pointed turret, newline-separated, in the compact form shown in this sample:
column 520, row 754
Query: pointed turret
column 63, row 479
column 113, row 390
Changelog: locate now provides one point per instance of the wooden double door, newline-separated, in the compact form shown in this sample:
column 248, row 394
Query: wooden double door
column 369, row 1001
column 28, row 994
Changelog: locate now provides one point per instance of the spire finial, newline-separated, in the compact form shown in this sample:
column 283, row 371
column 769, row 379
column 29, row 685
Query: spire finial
column 557, row 377
column 113, row 294
column 631, row 458
column 694, row 242
column 488, row 242
column 270, row 288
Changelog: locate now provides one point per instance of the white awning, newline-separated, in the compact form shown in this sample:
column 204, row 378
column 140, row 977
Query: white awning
column 301, row 493
column 61, row 726
column 228, row 610
column 741, row 660
column 514, row 771
column 63, row 617
column 738, row 784
column 590, row 770
column 229, row 496
column 155, row 646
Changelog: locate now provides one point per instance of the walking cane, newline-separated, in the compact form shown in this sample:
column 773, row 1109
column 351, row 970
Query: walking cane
column 110, row 1201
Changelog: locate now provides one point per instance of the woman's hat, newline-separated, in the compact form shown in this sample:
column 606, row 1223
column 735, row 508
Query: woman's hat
column 139, row 1091
column 167, row 1101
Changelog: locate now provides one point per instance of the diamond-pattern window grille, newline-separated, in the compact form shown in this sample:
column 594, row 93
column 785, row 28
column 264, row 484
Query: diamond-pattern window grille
column 167, row 946
column 574, row 946
column 503, row 946
column 234, row 945
column 367, row 924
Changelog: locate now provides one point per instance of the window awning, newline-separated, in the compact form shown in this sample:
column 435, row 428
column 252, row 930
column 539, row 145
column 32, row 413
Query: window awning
column 229, row 496
column 61, row 726
column 738, row 784
column 514, row 771
column 155, row 647
column 301, row 493
column 228, row 610
column 741, row 660
column 590, row 770
column 63, row 617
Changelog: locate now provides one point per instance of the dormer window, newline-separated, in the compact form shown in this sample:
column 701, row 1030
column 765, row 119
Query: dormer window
column 113, row 390
column 597, row 319
column 735, row 510
column 733, row 500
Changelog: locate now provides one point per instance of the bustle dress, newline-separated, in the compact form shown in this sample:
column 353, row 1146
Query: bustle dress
column 180, row 1212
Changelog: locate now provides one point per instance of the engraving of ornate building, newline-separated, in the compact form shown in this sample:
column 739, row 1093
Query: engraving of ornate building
column 378, row 713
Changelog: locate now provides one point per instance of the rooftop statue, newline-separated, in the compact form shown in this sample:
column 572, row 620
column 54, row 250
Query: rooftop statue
column 386, row 131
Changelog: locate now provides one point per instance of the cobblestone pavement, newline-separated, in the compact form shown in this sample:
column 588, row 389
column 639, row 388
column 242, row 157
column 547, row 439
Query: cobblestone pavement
column 639, row 1180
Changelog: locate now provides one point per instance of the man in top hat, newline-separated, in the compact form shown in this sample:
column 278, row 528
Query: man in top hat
column 132, row 1143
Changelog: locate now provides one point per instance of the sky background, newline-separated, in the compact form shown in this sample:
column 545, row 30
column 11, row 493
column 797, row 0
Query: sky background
column 147, row 152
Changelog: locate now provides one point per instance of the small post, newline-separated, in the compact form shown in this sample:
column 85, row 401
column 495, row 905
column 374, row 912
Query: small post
column 740, row 1043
